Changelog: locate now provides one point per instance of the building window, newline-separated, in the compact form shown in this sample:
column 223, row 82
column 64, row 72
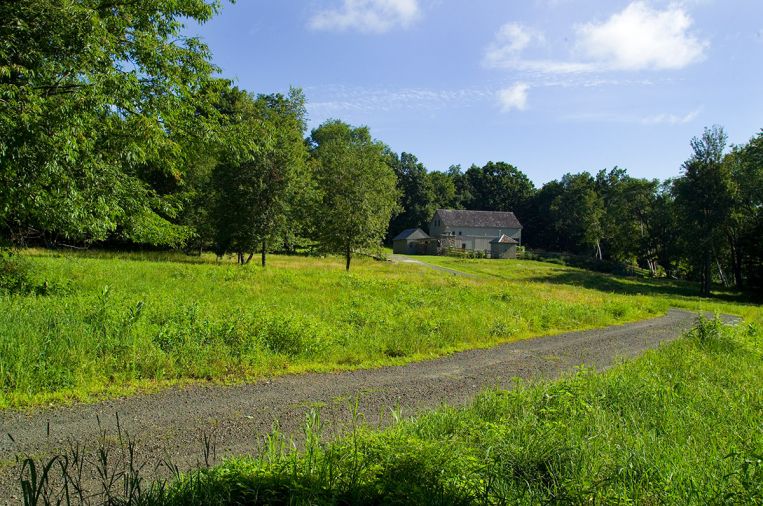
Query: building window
column 459, row 232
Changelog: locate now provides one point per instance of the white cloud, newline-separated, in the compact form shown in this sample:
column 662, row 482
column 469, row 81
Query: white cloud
column 641, row 38
column 374, row 16
column 554, row 66
column 670, row 119
column 331, row 101
column 509, row 42
column 636, row 38
column 513, row 97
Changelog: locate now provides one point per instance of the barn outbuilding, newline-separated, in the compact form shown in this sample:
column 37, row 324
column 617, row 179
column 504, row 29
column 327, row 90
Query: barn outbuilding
column 412, row 241
column 503, row 247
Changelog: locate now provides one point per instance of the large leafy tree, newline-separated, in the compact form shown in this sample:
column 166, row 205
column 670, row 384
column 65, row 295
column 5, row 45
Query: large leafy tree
column 444, row 191
column 96, row 99
column 703, row 200
column 744, row 229
column 357, row 188
column 540, row 230
column 498, row 187
column 663, row 239
column 627, row 201
column 577, row 212
column 417, row 194
column 259, row 166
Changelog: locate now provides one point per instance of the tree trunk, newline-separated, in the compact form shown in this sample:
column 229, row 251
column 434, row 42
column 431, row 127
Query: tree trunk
column 706, row 273
column 264, row 251
column 721, row 274
column 240, row 258
column 736, row 260
column 348, row 256
column 249, row 258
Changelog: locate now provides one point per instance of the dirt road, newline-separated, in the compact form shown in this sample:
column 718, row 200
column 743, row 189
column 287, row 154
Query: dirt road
column 172, row 422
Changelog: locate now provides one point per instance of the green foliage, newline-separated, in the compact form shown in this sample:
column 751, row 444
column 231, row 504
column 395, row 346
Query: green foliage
column 15, row 272
column 150, row 228
column 256, row 183
column 744, row 166
column 356, row 188
column 417, row 195
column 627, row 202
column 497, row 187
column 96, row 102
column 703, row 201
column 444, row 192
column 577, row 213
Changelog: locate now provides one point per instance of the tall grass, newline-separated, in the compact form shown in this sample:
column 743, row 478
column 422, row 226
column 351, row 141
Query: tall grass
column 110, row 323
column 680, row 425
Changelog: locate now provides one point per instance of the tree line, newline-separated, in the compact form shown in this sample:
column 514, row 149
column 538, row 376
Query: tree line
column 115, row 128
column 705, row 224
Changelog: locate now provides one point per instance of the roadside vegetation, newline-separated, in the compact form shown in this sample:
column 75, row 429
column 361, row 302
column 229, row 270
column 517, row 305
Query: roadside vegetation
column 679, row 425
column 102, row 324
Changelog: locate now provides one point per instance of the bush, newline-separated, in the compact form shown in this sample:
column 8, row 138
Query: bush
column 15, row 273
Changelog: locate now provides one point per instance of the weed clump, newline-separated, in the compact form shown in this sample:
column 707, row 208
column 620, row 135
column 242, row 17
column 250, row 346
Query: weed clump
column 15, row 273
column 710, row 334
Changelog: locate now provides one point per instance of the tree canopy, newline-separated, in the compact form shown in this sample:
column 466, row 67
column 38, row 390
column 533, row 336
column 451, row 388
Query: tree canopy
column 258, row 167
column 96, row 99
column 357, row 191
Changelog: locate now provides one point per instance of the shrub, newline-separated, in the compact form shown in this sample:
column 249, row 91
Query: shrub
column 290, row 334
column 15, row 273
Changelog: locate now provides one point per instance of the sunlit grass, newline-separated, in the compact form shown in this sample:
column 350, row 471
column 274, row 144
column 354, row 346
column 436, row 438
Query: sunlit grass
column 113, row 323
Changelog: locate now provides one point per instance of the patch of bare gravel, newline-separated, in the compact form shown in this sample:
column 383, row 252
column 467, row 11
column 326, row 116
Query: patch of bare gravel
column 172, row 422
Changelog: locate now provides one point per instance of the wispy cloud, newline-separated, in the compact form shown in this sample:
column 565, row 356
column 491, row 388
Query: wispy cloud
column 337, row 100
column 637, row 38
column 671, row 119
column 509, row 42
column 370, row 16
column 513, row 97
column 652, row 120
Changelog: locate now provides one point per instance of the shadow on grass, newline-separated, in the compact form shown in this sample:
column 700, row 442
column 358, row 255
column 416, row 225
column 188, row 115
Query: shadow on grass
column 640, row 286
column 409, row 483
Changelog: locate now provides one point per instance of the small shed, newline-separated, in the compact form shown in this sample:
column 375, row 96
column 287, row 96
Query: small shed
column 412, row 241
column 503, row 247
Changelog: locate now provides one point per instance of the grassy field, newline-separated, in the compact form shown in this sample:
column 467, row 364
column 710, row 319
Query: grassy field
column 108, row 324
column 680, row 425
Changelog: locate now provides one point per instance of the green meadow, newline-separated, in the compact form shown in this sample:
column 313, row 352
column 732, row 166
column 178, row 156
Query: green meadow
column 102, row 324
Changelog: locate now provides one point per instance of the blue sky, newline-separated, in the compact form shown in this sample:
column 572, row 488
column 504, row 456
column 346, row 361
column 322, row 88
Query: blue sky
column 551, row 86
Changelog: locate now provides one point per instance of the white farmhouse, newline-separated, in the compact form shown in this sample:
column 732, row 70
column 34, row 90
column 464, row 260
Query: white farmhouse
column 476, row 230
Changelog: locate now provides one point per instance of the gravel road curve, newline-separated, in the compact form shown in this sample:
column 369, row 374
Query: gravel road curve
column 172, row 422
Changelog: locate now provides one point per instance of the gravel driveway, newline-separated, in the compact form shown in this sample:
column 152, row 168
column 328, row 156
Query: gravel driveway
column 172, row 422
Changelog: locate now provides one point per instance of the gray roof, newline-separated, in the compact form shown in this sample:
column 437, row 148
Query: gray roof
column 478, row 219
column 504, row 239
column 411, row 233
